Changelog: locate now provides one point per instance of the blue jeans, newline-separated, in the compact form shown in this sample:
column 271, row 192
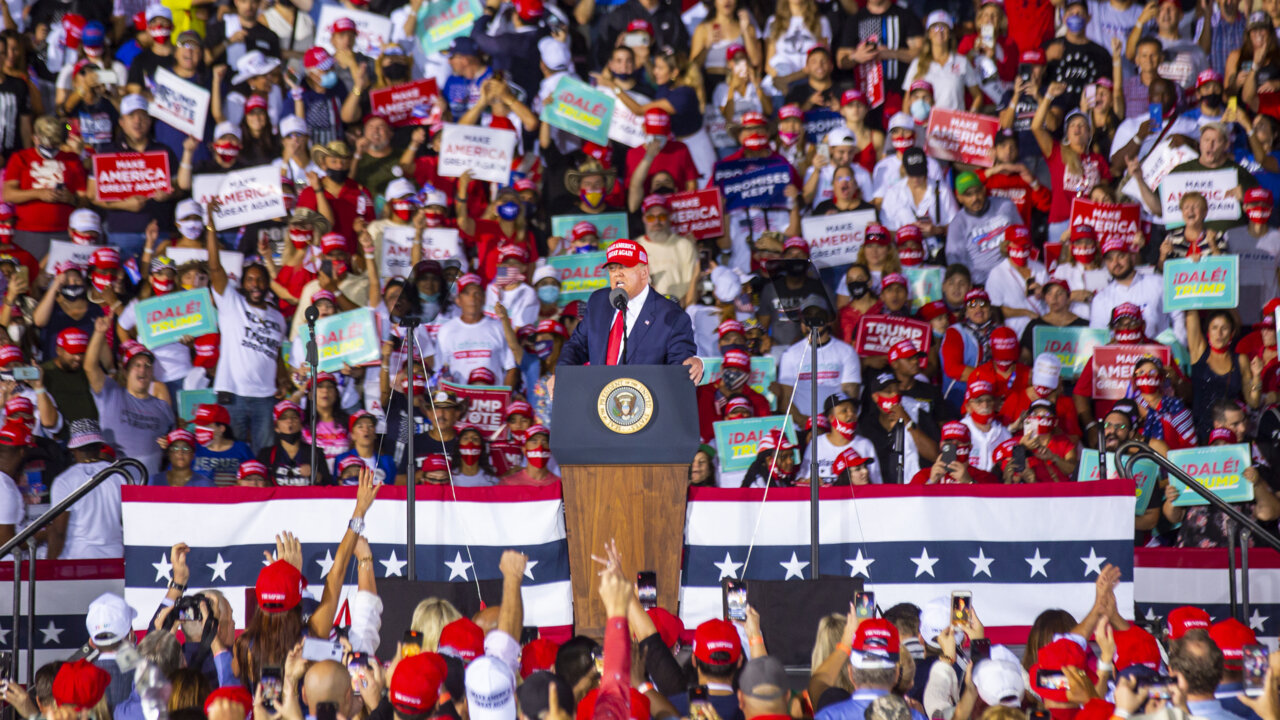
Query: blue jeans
column 251, row 420
column 128, row 243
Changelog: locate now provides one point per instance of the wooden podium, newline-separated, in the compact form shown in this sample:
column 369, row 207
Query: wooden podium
column 621, row 482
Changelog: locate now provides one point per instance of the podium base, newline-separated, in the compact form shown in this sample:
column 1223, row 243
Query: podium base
column 642, row 507
column 780, row 602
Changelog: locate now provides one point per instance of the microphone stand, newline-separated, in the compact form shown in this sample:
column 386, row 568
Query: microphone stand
column 900, row 448
column 815, row 481
column 313, row 360
column 411, row 507
column 1102, row 452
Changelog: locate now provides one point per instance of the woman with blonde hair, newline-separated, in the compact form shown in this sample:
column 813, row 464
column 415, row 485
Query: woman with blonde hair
column 429, row 619
column 795, row 28
column 830, row 632
column 941, row 66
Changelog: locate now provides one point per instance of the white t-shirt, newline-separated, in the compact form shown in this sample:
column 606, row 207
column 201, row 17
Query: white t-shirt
column 888, row 170
column 899, row 206
column 13, row 508
column 1080, row 278
column 1008, row 290
column 521, row 303
column 791, row 51
column 827, row 454
column 837, row 364
column 251, row 340
column 984, row 442
column 463, row 347
column 173, row 361
column 1146, row 290
column 96, row 529
column 949, row 80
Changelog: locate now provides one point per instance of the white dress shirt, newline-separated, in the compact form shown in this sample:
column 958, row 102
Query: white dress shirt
column 1146, row 290
column 634, row 306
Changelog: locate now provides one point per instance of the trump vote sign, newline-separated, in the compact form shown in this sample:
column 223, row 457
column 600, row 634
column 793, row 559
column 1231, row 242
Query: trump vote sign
column 1113, row 367
column 878, row 333
column 484, row 152
column 962, row 137
column 167, row 318
column 120, row 176
column 485, row 405
column 1207, row 283
column 834, row 240
column 181, row 104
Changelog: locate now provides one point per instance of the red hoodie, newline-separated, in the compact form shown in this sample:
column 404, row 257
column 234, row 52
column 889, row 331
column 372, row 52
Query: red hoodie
column 1012, row 186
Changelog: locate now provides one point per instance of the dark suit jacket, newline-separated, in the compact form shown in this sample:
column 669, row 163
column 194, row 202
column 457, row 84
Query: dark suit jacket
column 662, row 335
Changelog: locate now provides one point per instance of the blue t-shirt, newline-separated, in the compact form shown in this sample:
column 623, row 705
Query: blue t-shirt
column 197, row 480
column 687, row 118
column 461, row 93
column 221, row 466
column 384, row 470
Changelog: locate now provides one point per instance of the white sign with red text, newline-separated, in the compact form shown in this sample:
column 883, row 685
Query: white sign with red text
column 1214, row 185
column 485, row 152
column 248, row 196
column 834, row 240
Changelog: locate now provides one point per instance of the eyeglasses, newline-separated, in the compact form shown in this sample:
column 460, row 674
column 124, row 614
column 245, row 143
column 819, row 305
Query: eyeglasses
column 977, row 303
column 655, row 216
column 1115, row 426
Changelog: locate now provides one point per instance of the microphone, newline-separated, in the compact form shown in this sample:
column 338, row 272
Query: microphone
column 312, row 314
column 617, row 298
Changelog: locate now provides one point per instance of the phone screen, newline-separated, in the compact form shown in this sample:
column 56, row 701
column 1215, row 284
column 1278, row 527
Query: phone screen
column 864, row 605
column 735, row 600
column 1159, row 687
column 1255, row 669
column 1051, row 679
column 961, row 602
column 647, row 588
column 1155, row 119
column 272, row 685
column 698, row 694
column 410, row 644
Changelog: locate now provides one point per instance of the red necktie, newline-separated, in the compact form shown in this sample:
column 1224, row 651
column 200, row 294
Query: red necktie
column 613, row 354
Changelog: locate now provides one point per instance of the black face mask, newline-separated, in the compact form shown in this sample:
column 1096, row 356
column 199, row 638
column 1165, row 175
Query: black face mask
column 338, row 176
column 735, row 346
column 663, row 190
column 1213, row 102
column 293, row 437
column 73, row 292
column 858, row 288
column 395, row 71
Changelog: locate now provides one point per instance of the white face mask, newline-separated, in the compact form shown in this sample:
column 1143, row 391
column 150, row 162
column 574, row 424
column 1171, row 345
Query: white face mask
column 190, row 229
column 660, row 139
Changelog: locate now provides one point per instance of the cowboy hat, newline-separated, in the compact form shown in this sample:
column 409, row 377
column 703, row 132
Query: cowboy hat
column 307, row 216
column 333, row 148
column 591, row 166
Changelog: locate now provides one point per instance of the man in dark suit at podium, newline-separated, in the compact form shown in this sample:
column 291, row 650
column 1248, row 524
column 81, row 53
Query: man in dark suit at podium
column 629, row 323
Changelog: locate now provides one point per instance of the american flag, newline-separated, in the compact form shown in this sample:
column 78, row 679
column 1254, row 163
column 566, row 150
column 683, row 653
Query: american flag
column 1167, row 578
column 1019, row 548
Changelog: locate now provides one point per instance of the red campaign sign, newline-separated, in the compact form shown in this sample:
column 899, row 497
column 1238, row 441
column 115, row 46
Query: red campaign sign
column 121, row 176
column 396, row 103
column 506, row 456
column 698, row 214
column 1052, row 251
column 1110, row 221
column 878, row 333
column 962, row 137
column 871, row 82
column 1113, row 367
column 485, row 405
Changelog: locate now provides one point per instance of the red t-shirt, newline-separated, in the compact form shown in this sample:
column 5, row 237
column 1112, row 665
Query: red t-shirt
column 980, row 477
column 1067, row 184
column 1015, row 383
column 709, row 412
column 1017, row 403
column 1030, row 23
column 1013, row 187
column 426, row 172
column 488, row 238
column 673, row 158
column 293, row 278
column 34, row 172
column 353, row 201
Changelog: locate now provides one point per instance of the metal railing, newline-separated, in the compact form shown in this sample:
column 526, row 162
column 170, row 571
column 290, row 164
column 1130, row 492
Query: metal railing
column 1245, row 529
column 27, row 537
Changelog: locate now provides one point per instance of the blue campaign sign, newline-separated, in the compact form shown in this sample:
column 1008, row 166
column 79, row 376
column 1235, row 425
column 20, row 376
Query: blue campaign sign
column 753, row 183
column 820, row 121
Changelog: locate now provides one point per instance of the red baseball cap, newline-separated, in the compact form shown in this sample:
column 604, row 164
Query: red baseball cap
column 132, row 349
column 796, row 242
column 529, row 10
column 1231, row 636
column 1003, row 452
column 283, row 407
column 657, row 122
column 415, row 686
column 875, row 644
column 640, row 25
column 257, row 102
column 10, row 354
column 1136, row 646
column 1004, row 344
column 1083, row 231
column 1114, row 244
column 904, row 348
column 207, row 413
column 626, row 253
column 329, row 242
column 19, row 405
column 1258, row 195
column 279, row 587
column 716, row 642
column 908, row 233
column 207, row 349
column 730, row 326
column 235, row 694
column 738, row 402
column 249, row 468
column 848, row 458
column 669, row 626
column 15, row 433
column 539, row 654
column 519, row 407
column 1126, row 310
column 735, row 358
column 790, row 110
column 978, row 388
column 554, row 327
column 655, row 200
column 852, row 95
column 1055, row 656
column 105, row 258
column 581, row 229
column 80, row 684
column 1031, row 57
column 956, row 430
column 73, row 340
column 181, row 435
column 638, row 706
column 893, row 279
column 977, row 294
column 462, row 639
column 1017, row 235
column 932, row 310
column 343, row 24
column 1187, row 618
column 1223, row 434
column 876, row 234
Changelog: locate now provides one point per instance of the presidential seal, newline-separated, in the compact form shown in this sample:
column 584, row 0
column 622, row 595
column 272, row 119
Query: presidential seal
column 625, row 406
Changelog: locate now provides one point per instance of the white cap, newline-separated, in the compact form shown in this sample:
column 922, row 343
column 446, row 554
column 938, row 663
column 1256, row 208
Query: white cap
column 293, row 124
column 109, row 619
column 253, row 64
column 554, row 54
column 934, row 618
column 399, row 188
column 85, row 220
column 226, row 128
column 491, row 689
column 841, row 136
column 543, row 272
column 725, row 284
column 939, row 17
column 435, row 197
column 999, row 683
column 901, row 121
column 133, row 103
column 498, row 644
column 187, row 208
column 1047, row 371
column 157, row 10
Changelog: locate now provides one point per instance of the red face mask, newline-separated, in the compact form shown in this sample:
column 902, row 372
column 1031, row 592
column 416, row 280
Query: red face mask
column 160, row 35
column 846, row 430
column 227, row 152
column 755, row 142
column 204, row 434
column 902, row 142
column 1042, row 392
column 963, row 452
column 100, row 281
column 910, row 255
column 981, row 418
column 1019, row 255
column 782, row 475
column 538, row 457
column 1258, row 213
column 80, row 238
column 300, row 238
column 434, row 219
column 402, row 210
column 1084, row 255
column 161, row 284
column 1127, row 337
column 6, row 234
column 886, row 403
column 470, row 452
column 1147, row 384
column 1043, row 425
column 340, row 268
column 1004, row 365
